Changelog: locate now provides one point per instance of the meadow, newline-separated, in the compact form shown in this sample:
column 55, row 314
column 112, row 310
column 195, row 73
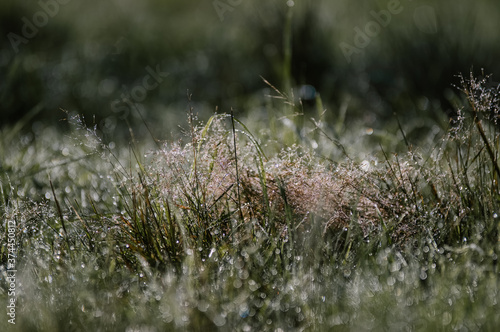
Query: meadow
column 297, row 179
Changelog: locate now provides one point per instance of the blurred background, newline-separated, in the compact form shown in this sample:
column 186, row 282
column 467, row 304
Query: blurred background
column 118, row 61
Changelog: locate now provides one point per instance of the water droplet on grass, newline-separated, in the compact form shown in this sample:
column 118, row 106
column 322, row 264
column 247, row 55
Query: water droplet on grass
column 219, row 321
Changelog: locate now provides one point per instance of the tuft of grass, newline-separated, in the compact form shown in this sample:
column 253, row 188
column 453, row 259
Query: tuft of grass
column 216, row 233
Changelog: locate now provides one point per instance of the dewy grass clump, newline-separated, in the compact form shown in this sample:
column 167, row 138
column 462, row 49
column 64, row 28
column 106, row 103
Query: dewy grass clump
column 191, row 198
column 403, row 198
column 215, row 234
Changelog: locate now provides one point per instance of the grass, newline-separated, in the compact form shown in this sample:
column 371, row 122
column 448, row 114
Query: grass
column 226, row 231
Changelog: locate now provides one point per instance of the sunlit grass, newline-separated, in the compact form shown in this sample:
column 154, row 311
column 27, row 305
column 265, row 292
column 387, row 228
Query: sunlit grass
column 195, row 235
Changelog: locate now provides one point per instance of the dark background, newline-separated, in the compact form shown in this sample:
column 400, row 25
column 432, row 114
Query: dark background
column 89, row 53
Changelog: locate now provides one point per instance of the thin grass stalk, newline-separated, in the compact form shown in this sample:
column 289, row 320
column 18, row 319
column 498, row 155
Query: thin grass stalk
column 236, row 167
column 197, row 188
column 479, row 126
column 287, row 50
column 156, row 223
column 61, row 218
column 86, row 228
column 289, row 225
